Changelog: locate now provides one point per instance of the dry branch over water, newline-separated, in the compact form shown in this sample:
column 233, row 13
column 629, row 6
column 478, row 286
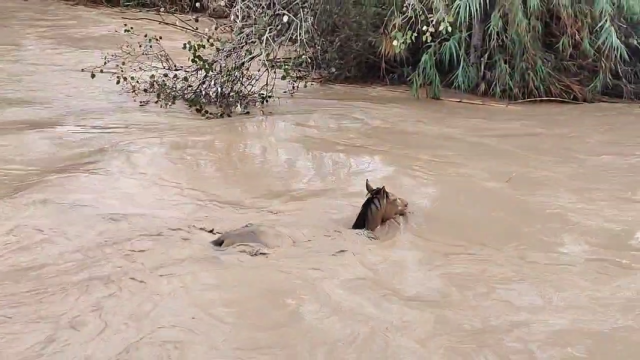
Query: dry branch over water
column 571, row 50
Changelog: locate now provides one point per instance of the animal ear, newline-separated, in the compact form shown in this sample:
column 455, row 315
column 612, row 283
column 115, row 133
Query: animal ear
column 369, row 187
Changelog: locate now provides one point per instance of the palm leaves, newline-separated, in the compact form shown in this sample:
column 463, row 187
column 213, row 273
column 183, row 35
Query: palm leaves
column 511, row 49
column 572, row 49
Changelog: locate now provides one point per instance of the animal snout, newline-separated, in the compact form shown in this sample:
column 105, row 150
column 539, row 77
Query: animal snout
column 403, row 205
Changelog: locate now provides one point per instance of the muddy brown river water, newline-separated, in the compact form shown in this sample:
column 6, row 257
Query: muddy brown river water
column 523, row 241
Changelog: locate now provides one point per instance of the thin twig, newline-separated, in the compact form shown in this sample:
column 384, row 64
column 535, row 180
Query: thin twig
column 162, row 22
column 473, row 102
column 548, row 99
column 510, row 177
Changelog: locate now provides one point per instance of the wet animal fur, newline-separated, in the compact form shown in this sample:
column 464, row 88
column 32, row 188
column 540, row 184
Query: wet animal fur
column 380, row 206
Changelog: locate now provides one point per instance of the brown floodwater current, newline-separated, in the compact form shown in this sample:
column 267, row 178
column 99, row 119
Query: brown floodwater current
column 523, row 240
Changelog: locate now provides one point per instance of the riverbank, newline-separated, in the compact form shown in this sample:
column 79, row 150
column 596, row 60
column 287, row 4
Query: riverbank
column 309, row 60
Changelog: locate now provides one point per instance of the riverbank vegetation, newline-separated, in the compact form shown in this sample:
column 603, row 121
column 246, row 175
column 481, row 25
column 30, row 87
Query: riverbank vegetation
column 579, row 50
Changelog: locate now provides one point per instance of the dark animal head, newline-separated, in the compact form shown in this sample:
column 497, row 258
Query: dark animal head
column 380, row 206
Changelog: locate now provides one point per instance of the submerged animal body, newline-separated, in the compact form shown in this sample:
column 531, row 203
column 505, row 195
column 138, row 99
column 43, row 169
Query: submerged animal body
column 379, row 207
column 266, row 236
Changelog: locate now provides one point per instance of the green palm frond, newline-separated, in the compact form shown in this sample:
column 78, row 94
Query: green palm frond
column 574, row 49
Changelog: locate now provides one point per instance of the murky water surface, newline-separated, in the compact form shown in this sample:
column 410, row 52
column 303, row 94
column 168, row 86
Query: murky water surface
column 523, row 242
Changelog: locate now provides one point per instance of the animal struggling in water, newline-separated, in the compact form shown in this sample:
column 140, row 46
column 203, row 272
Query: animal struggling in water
column 379, row 207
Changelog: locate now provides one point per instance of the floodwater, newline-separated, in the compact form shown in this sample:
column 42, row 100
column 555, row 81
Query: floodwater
column 523, row 241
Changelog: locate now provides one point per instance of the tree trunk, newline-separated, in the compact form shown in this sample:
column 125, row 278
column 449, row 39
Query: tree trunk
column 477, row 37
